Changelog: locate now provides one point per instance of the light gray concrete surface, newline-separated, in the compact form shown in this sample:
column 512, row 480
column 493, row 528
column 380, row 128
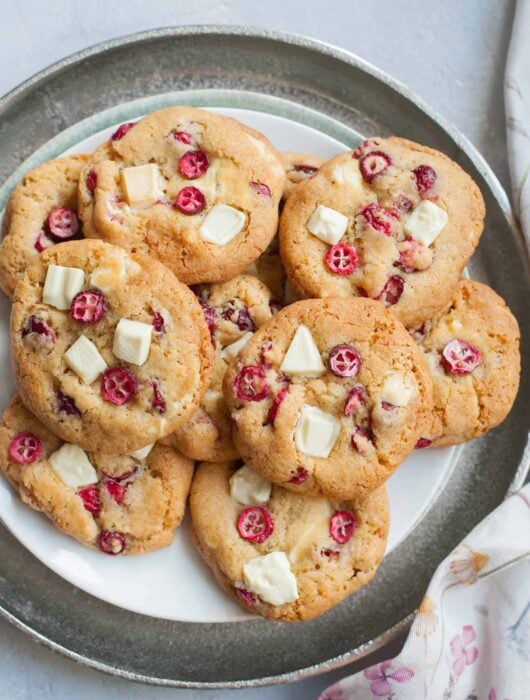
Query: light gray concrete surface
column 452, row 54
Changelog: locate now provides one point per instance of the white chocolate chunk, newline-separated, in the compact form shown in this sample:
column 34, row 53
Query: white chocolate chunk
column 72, row 466
column 398, row 389
column 222, row 224
column 61, row 286
column 230, row 351
column 348, row 173
column 271, row 579
column 84, row 359
column 141, row 184
column 132, row 340
column 316, row 432
column 249, row 488
column 113, row 272
column 426, row 222
column 315, row 529
column 303, row 357
column 142, row 453
column 327, row 224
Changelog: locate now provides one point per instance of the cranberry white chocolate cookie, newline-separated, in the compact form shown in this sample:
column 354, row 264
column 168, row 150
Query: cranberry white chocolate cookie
column 393, row 221
column 279, row 554
column 123, row 504
column 108, row 348
column 40, row 213
column 328, row 397
column 298, row 167
column 194, row 189
column 472, row 352
column 233, row 310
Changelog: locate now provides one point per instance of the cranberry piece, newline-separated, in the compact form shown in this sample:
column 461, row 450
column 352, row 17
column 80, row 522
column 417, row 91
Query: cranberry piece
column 344, row 360
column 408, row 256
column 209, row 317
column 190, row 200
column 330, row 553
column 116, row 491
column 193, row 164
column 422, row 442
column 342, row 526
column 122, row 130
column 91, row 181
column 425, row 177
column 118, row 385
column 66, row 404
column 300, row 476
column 403, row 204
column 275, row 306
column 460, row 357
column 373, row 164
column 261, row 189
column 89, row 306
column 90, row 497
column 355, row 399
column 387, row 406
column 111, row 542
column 158, row 402
column 37, row 325
column 342, row 259
column 63, row 223
column 275, row 407
column 183, row 137
column 360, row 439
column 126, row 476
column 379, row 218
column 241, row 317
column 251, row 383
column 246, row 596
column 25, row 448
column 392, row 291
column 361, row 148
column 43, row 242
column 306, row 169
column 158, row 323
column 255, row 524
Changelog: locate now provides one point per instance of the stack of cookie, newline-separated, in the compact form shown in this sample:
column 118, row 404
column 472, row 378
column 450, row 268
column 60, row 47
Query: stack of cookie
column 156, row 323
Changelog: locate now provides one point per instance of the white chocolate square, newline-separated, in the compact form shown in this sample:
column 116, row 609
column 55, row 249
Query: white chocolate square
column 72, row 466
column 143, row 452
column 61, row 286
column 132, row 340
column 426, row 222
column 316, row 432
column 249, row 488
column 230, row 351
column 348, row 173
column 84, row 359
column 398, row 389
column 270, row 577
column 113, row 271
column 303, row 356
column 327, row 224
column 141, row 184
column 222, row 224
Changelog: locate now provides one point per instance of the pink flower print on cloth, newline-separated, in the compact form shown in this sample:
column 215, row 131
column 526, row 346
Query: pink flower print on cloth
column 463, row 654
column 380, row 676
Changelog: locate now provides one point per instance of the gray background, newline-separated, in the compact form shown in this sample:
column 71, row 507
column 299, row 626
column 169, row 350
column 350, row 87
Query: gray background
column 452, row 54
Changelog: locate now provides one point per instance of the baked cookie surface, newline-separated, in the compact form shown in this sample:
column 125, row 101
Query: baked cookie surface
column 118, row 504
column 279, row 554
column 192, row 188
column 41, row 212
column 298, row 167
column 108, row 348
column 472, row 352
column 328, row 397
column 393, row 221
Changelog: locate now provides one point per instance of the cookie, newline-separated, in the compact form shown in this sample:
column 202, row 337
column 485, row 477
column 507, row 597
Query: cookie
column 472, row 352
column 194, row 189
column 393, row 221
column 108, row 348
column 328, row 397
column 279, row 554
column 126, row 504
column 298, row 167
column 41, row 212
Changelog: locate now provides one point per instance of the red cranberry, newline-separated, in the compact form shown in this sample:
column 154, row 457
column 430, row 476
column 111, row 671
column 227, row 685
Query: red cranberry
column 111, row 542
column 330, row 553
column 25, row 448
column 275, row 407
column 342, row 259
column 255, row 524
column 392, row 291
column 91, row 181
column 122, row 130
column 193, row 164
column 408, row 256
column 246, row 596
column 403, row 204
column 190, row 200
column 183, row 137
column 360, row 438
column 126, row 476
column 209, row 317
column 63, row 223
column 342, row 526
column 66, row 404
column 89, row 306
column 373, row 164
column 158, row 323
column 344, row 360
column 250, row 383
column 460, row 357
column 422, row 442
column 90, row 497
column 425, row 178
column 306, row 169
column 379, row 218
column 118, row 385
column 275, row 306
column 387, row 406
column 158, row 403
column 261, row 189
column 116, row 491
column 240, row 316
column 300, row 476
column 43, row 242
column 37, row 325
column 355, row 399
column 363, row 147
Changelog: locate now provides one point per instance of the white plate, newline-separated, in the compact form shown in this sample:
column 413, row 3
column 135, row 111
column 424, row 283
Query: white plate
column 174, row 583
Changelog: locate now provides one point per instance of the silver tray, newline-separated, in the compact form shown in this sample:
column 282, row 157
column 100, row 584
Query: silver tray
column 342, row 86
